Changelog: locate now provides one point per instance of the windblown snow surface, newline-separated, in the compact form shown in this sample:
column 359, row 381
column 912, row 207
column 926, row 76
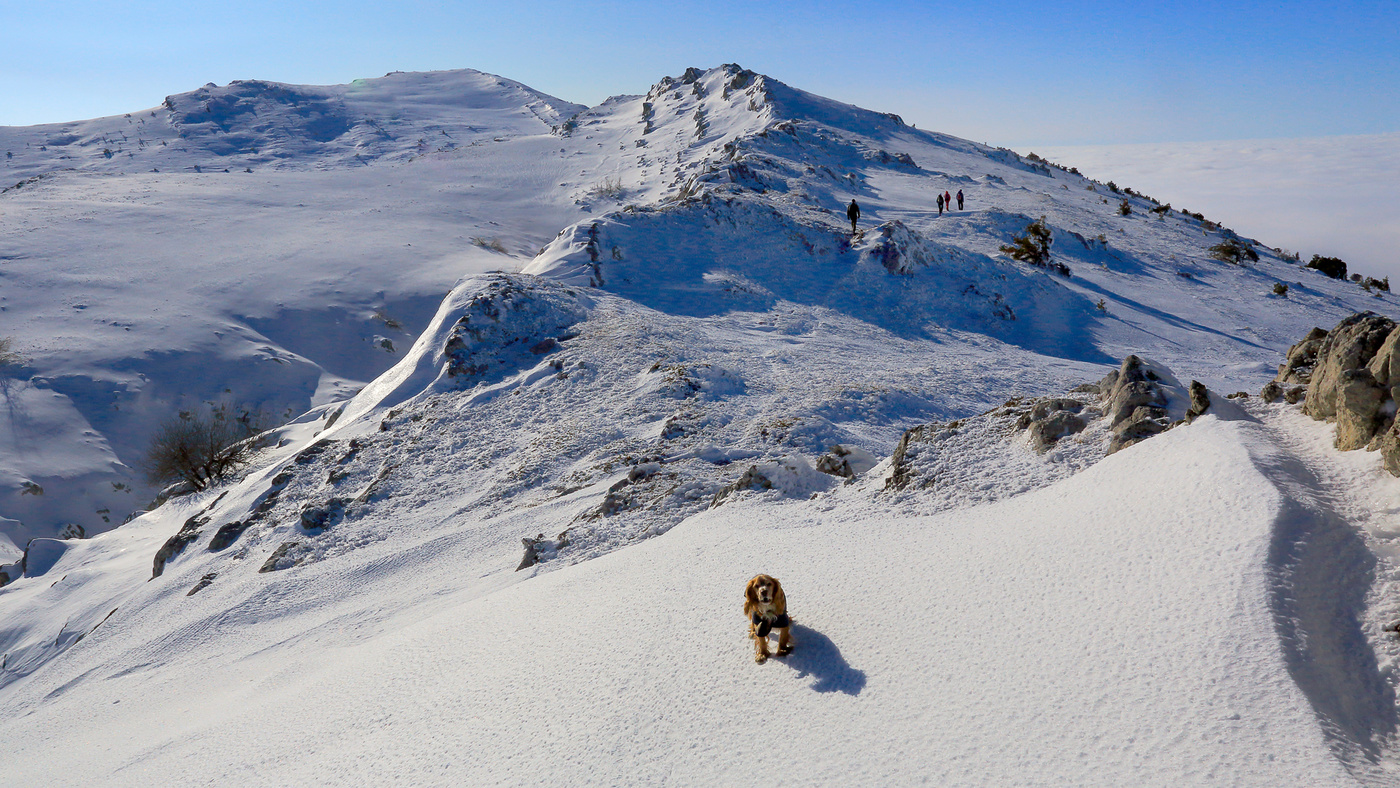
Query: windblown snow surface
column 657, row 329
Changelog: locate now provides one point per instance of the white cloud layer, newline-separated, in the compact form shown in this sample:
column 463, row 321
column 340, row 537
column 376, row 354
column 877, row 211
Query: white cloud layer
column 1328, row 195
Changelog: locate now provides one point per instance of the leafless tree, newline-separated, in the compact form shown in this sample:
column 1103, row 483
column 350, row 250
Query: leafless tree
column 201, row 448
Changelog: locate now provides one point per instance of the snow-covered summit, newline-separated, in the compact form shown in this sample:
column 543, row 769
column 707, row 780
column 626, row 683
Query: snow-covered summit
column 255, row 123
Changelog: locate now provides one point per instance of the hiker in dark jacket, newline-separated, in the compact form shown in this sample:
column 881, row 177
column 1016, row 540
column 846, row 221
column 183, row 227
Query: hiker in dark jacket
column 853, row 213
column 940, row 205
column 960, row 199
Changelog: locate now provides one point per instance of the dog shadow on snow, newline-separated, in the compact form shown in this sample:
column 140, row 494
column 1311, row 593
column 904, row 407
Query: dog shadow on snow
column 815, row 655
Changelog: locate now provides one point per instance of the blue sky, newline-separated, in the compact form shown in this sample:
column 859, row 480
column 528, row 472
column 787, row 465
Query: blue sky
column 1008, row 73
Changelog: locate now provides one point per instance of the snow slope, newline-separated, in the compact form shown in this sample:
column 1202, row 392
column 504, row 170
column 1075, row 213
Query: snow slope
column 657, row 329
column 1112, row 639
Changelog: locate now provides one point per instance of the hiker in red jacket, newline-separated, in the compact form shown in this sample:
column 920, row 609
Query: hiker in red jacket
column 948, row 200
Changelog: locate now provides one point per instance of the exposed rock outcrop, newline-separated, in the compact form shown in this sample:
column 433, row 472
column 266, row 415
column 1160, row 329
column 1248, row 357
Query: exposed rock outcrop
column 542, row 549
column 204, row 582
column 177, row 543
column 1132, row 403
column 1358, row 405
column 1351, row 345
column 1302, row 359
column 902, row 476
column 228, row 533
column 752, row 479
column 846, row 461
column 1054, row 420
column 1135, row 404
column 187, row 533
column 1354, row 381
column 280, row 558
column 1200, row 401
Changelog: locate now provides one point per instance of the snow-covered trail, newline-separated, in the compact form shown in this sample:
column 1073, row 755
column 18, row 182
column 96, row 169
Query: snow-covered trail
column 1334, row 578
column 1119, row 627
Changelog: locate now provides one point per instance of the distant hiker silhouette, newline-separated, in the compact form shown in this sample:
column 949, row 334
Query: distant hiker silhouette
column 960, row 199
column 948, row 200
column 853, row 213
column 940, row 205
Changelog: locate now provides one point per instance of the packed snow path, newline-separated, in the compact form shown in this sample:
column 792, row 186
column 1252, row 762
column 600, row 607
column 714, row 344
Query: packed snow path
column 1128, row 625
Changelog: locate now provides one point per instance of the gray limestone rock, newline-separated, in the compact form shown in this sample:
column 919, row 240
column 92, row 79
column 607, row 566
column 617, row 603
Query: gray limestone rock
column 1301, row 359
column 1044, row 433
column 1200, row 401
column 752, row 479
column 1351, row 345
column 1144, row 422
column 1358, row 406
column 902, row 475
column 845, row 461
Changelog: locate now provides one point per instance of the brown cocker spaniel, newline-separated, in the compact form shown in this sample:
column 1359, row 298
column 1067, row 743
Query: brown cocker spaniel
column 765, row 606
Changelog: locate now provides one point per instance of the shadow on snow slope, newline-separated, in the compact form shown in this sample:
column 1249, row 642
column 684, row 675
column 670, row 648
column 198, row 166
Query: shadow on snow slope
column 816, row 656
column 714, row 255
column 1321, row 571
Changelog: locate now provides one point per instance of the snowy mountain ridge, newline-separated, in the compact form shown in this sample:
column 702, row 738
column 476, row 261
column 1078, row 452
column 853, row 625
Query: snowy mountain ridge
column 664, row 359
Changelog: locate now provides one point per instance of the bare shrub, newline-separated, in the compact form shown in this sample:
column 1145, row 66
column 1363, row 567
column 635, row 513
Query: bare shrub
column 9, row 357
column 1234, row 252
column 201, row 448
column 492, row 244
column 610, row 188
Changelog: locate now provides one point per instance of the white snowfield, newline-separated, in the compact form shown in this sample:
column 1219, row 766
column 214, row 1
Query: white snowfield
column 658, row 330
column 1128, row 625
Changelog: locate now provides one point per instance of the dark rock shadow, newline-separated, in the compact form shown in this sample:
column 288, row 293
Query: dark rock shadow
column 815, row 655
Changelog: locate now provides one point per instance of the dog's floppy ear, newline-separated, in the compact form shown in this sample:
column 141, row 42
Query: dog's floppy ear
column 779, row 598
column 750, row 592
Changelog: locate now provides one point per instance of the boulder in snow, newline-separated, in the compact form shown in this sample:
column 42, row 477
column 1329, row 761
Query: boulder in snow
column 752, row 479
column 1351, row 345
column 1302, row 358
column 846, row 461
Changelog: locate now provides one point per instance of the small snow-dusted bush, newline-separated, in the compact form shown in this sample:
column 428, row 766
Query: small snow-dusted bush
column 1124, row 209
column 493, row 244
column 610, row 188
column 9, row 357
column 1034, row 248
column 388, row 321
column 1333, row 267
column 1280, row 289
column 201, row 448
column 1234, row 252
column 1378, row 284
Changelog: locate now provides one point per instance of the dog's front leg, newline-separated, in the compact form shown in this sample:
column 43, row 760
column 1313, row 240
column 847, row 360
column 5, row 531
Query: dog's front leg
column 784, row 642
column 760, row 646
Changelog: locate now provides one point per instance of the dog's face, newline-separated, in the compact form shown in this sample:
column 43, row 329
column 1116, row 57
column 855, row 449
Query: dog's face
column 764, row 590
